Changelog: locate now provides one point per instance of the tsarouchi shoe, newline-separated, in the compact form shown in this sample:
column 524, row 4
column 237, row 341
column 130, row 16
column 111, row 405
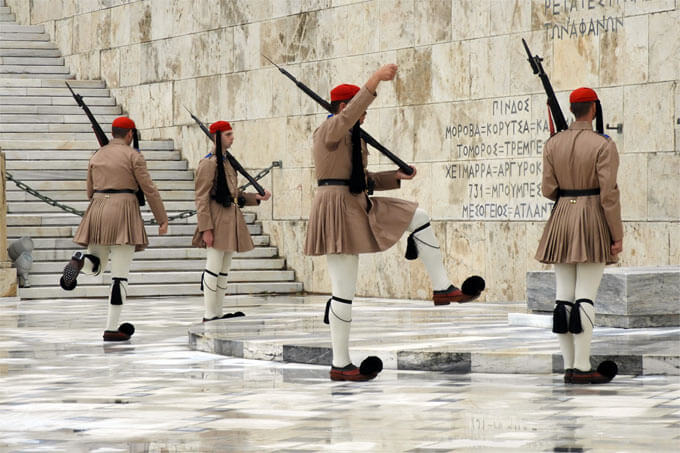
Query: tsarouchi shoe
column 568, row 373
column 69, row 277
column 124, row 332
column 606, row 371
column 471, row 289
column 370, row 367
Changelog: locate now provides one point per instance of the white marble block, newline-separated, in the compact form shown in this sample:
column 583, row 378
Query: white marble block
column 628, row 296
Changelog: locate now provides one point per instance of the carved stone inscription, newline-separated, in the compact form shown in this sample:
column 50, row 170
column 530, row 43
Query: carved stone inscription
column 498, row 163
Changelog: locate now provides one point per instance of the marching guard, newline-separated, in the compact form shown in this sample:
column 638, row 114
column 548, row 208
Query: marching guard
column 345, row 222
column 221, row 229
column 112, row 227
column 584, row 231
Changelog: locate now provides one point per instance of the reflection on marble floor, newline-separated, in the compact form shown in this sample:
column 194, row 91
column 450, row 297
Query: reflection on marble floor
column 63, row 390
column 414, row 335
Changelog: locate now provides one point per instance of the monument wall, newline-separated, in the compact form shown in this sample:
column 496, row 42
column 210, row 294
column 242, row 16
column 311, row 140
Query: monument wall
column 465, row 109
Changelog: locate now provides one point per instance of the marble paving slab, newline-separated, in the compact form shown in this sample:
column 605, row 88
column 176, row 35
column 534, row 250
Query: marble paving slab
column 414, row 335
column 64, row 390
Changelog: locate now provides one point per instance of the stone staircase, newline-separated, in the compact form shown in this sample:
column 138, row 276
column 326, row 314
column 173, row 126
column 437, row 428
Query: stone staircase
column 47, row 141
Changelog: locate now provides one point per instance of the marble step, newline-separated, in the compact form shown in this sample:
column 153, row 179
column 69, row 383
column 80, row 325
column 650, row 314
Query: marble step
column 56, row 100
column 7, row 17
column 27, row 69
column 26, row 45
column 14, row 75
column 32, row 144
column 142, row 290
column 36, row 120
column 18, row 36
column 48, row 136
column 167, row 277
column 59, row 109
column 30, row 53
column 628, row 297
column 73, row 195
column 65, row 242
column 37, row 206
column 32, row 61
column 196, row 264
column 59, row 128
column 64, row 219
column 49, row 175
column 80, row 185
column 47, row 165
column 56, row 84
column 179, row 253
column 15, row 28
column 61, row 231
column 56, row 154
column 48, row 93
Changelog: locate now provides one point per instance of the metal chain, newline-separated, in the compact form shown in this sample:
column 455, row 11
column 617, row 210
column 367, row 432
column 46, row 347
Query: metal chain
column 72, row 210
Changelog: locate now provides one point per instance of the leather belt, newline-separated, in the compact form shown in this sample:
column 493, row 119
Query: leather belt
column 333, row 182
column 115, row 191
column 578, row 192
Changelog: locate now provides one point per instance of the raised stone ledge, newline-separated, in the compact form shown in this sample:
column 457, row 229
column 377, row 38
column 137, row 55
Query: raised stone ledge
column 628, row 296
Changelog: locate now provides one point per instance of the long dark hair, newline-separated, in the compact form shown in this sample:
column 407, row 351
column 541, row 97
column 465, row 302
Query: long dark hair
column 222, row 193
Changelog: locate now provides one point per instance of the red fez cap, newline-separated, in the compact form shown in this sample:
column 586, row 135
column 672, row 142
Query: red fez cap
column 583, row 95
column 220, row 126
column 344, row 92
column 123, row 122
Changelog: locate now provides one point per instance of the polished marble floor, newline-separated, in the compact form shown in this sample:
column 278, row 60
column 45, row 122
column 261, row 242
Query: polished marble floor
column 63, row 390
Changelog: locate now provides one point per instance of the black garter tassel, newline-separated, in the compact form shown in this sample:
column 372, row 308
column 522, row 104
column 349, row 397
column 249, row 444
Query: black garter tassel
column 560, row 321
column 116, row 298
column 411, row 247
column 575, row 325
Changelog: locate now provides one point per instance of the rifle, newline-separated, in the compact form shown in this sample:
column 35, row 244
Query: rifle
column 101, row 136
column 232, row 160
column 553, row 105
column 98, row 131
column 403, row 166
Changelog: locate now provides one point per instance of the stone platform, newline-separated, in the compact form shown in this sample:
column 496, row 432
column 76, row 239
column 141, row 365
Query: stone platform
column 628, row 296
column 414, row 335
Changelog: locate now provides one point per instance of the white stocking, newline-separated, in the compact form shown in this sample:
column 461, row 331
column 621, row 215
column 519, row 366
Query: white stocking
column 588, row 277
column 213, row 266
column 343, row 273
column 429, row 251
column 101, row 252
column 222, row 282
column 565, row 280
column 121, row 258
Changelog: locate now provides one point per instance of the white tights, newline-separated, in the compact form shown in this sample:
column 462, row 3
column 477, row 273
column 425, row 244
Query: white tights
column 218, row 264
column 121, row 258
column 574, row 282
column 343, row 273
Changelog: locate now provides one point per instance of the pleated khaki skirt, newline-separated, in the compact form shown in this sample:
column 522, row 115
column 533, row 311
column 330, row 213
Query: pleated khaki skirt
column 339, row 222
column 576, row 232
column 230, row 230
column 112, row 219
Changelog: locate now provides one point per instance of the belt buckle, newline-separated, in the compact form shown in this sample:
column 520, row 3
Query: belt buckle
column 106, row 195
column 572, row 201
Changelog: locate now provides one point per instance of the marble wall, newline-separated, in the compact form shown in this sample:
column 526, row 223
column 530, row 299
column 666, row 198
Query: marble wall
column 8, row 275
column 465, row 107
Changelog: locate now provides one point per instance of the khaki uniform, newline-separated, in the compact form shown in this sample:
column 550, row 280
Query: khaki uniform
column 338, row 222
column 229, row 227
column 581, row 229
column 115, row 219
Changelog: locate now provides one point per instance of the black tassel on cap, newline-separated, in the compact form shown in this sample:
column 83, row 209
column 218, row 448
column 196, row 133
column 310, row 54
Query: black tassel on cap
column 222, row 193
column 599, row 121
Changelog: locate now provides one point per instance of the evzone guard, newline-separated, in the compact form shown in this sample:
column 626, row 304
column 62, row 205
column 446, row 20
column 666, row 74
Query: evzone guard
column 584, row 231
column 345, row 222
column 112, row 226
column 221, row 229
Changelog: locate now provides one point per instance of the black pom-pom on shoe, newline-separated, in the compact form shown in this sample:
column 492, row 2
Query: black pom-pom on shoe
column 371, row 366
column 127, row 328
column 66, row 287
column 473, row 286
column 608, row 369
